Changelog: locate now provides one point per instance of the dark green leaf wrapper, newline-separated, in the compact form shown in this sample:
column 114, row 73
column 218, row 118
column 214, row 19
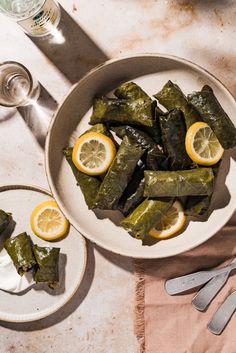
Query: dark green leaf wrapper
column 131, row 91
column 198, row 206
column 172, row 97
column 120, row 130
column 173, row 130
column 137, row 135
column 199, row 181
column 155, row 131
column 121, row 111
column 89, row 184
column 48, row 265
column 102, row 129
column 133, row 194
column 145, row 217
column 133, row 200
column 214, row 115
column 118, row 175
column 19, row 249
column 155, row 159
column 5, row 219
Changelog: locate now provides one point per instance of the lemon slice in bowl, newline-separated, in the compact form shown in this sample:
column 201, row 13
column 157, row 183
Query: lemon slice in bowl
column 202, row 144
column 171, row 223
column 47, row 221
column 93, row 153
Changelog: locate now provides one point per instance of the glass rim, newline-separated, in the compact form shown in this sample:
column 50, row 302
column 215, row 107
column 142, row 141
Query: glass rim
column 2, row 63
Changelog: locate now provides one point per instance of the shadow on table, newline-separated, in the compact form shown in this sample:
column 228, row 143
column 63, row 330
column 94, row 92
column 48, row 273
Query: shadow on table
column 74, row 53
column 124, row 262
column 6, row 115
column 70, row 49
column 68, row 308
column 38, row 116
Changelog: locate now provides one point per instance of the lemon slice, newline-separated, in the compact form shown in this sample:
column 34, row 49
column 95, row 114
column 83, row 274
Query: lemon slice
column 93, row 153
column 202, row 144
column 47, row 221
column 171, row 223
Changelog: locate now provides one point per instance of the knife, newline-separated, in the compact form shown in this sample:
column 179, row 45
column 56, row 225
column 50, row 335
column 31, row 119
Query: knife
column 193, row 280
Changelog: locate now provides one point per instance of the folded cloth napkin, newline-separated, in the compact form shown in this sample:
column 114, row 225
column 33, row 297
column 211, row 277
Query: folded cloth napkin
column 170, row 324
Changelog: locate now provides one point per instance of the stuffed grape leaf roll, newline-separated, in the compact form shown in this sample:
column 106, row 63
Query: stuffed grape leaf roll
column 19, row 249
column 133, row 194
column 132, row 91
column 198, row 206
column 199, row 181
column 140, row 137
column 5, row 219
column 48, row 265
column 173, row 130
column 154, row 158
column 118, row 175
column 89, row 184
column 133, row 200
column 122, row 111
column 172, row 97
column 145, row 217
column 155, row 131
column 206, row 103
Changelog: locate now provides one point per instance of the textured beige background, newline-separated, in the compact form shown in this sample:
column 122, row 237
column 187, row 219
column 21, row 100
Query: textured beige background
column 99, row 318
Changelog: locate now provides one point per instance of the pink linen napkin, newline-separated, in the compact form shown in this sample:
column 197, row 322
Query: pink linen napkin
column 170, row 324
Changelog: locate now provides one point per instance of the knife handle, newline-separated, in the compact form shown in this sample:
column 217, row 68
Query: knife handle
column 193, row 280
column 205, row 295
column 222, row 316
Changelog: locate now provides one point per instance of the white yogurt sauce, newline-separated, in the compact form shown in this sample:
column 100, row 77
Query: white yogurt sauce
column 10, row 280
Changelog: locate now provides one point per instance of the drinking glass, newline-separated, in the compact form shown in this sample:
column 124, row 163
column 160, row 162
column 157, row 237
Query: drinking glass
column 17, row 86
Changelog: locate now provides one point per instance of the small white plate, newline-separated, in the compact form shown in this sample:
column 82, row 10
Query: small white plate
column 151, row 72
column 37, row 303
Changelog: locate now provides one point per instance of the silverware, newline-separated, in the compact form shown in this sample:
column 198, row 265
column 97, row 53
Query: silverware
column 193, row 280
column 205, row 295
column 223, row 315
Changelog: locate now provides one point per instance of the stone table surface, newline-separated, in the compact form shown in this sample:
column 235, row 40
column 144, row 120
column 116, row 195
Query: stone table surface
column 99, row 318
